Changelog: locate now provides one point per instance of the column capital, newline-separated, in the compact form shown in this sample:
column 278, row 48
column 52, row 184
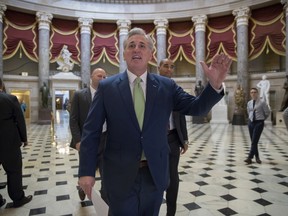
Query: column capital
column 85, row 24
column 242, row 15
column 44, row 20
column 123, row 26
column 161, row 25
column 200, row 22
column 3, row 8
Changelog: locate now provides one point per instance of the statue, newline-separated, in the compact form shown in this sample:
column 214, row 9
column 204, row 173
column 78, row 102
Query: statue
column 239, row 99
column 44, row 95
column 264, row 86
column 64, row 61
column 284, row 103
column 199, row 88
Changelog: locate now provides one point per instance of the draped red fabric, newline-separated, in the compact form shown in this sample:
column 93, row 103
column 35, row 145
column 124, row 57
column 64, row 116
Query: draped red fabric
column 65, row 32
column 181, row 41
column 267, row 31
column 105, row 43
column 221, row 37
column 20, row 32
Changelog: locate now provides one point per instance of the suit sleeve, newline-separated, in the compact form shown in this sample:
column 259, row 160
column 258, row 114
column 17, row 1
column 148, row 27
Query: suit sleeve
column 74, row 121
column 19, row 120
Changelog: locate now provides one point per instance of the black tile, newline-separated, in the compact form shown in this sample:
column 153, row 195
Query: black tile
column 201, row 183
column 40, row 192
column 61, row 183
column 229, row 178
column 227, row 211
column 229, row 186
column 60, row 172
column 259, row 190
column 42, row 179
column 281, row 176
column 192, row 206
column 262, row 202
column 62, row 197
column 37, row 211
column 256, row 181
column 228, row 197
column 86, row 203
column 197, row 193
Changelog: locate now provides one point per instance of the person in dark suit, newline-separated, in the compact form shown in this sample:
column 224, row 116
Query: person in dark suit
column 79, row 110
column 178, row 143
column 258, row 110
column 13, row 134
column 136, row 156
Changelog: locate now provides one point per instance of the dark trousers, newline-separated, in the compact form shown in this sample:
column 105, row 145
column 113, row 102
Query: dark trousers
column 101, row 150
column 144, row 199
column 172, row 190
column 255, row 131
column 13, row 168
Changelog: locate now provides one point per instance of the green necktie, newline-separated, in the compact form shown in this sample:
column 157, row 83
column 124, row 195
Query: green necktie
column 139, row 101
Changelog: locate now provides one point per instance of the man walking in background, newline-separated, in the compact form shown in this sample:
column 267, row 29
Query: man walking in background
column 79, row 110
column 258, row 110
column 12, row 135
column 178, row 143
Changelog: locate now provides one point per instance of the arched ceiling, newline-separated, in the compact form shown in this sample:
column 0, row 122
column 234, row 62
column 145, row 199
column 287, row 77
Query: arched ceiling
column 134, row 10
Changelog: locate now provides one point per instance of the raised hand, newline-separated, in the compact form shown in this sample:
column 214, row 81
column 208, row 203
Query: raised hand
column 218, row 69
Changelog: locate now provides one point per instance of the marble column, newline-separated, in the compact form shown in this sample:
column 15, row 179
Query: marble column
column 200, row 29
column 161, row 29
column 123, row 27
column 86, row 26
column 242, row 18
column 285, row 2
column 2, row 10
column 44, row 108
column 44, row 21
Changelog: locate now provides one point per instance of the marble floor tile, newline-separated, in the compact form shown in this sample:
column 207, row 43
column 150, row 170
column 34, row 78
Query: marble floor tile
column 214, row 179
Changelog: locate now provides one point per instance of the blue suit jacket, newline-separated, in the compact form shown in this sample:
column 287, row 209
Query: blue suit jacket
column 125, row 141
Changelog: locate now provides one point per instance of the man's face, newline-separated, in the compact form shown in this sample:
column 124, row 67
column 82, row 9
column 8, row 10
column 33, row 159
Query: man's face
column 137, row 54
column 96, row 76
column 254, row 94
column 166, row 68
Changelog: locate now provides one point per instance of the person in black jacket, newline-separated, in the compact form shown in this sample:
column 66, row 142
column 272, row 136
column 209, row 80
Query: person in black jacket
column 178, row 143
column 12, row 135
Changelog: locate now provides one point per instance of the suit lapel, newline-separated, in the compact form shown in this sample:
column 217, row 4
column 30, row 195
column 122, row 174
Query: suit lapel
column 151, row 93
column 125, row 93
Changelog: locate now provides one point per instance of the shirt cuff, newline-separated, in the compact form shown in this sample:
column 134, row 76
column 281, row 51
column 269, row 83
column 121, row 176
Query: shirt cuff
column 218, row 90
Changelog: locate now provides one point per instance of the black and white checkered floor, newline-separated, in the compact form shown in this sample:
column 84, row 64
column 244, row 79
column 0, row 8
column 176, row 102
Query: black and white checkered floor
column 214, row 178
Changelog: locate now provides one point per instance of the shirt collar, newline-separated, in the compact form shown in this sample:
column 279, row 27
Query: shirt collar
column 132, row 77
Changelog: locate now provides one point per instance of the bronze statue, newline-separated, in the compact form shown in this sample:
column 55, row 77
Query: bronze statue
column 44, row 95
column 284, row 103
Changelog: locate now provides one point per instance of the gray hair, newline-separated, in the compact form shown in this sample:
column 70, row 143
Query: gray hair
column 139, row 31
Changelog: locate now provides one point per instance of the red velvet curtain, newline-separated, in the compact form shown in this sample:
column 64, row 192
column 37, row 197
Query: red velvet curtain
column 266, row 33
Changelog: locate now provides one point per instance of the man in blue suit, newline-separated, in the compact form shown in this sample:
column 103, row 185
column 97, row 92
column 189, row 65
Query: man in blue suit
column 136, row 157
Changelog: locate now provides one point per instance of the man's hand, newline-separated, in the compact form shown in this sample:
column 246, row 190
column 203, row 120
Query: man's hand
column 185, row 148
column 218, row 70
column 77, row 146
column 87, row 183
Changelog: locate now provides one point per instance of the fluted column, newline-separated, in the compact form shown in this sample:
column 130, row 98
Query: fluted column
column 2, row 10
column 44, row 21
column 200, row 29
column 161, row 32
column 285, row 2
column 242, row 18
column 123, row 27
column 85, row 25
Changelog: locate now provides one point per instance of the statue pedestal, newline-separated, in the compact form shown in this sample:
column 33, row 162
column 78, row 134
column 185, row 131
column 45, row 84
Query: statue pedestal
column 220, row 113
column 44, row 116
column 238, row 119
column 280, row 120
